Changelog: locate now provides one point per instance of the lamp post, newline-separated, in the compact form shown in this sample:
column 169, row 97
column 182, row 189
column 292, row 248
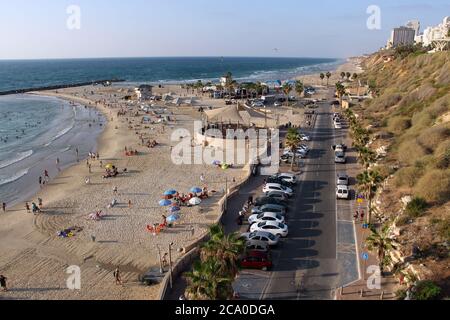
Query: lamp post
column 170, row 264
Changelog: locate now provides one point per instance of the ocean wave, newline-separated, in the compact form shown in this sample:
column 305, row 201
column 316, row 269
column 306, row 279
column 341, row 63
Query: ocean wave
column 60, row 134
column 19, row 157
column 16, row 176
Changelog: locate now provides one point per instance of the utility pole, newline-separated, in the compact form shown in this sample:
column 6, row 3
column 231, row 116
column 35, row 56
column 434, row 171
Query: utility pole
column 170, row 264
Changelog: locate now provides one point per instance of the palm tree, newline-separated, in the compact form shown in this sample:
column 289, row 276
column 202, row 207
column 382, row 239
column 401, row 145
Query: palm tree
column 205, row 284
column 322, row 76
column 355, row 76
column 292, row 142
column 381, row 243
column 368, row 183
column 340, row 90
column 367, row 157
column 299, row 87
column 287, row 88
column 328, row 77
column 348, row 75
column 224, row 248
column 342, row 75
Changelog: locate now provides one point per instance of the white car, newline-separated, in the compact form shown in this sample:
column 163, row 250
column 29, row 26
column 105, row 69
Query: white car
column 266, row 216
column 268, row 237
column 337, row 125
column 277, row 229
column 288, row 177
column 277, row 104
column 305, row 137
column 342, row 192
column 269, row 187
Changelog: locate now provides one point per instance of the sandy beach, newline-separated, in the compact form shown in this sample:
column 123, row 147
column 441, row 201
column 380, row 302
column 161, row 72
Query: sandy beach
column 35, row 259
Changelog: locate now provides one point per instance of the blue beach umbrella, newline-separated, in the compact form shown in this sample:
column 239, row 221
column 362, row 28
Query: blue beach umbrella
column 165, row 203
column 170, row 192
column 174, row 209
column 196, row 190
column 173, row 218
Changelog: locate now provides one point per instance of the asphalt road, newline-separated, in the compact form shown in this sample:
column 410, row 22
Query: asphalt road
column 318, row 256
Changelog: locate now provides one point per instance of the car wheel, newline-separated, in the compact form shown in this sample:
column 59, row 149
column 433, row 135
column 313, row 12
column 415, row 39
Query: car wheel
column 279, row 235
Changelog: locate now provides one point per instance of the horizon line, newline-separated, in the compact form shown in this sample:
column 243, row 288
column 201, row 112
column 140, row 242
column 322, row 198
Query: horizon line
column 165, row 57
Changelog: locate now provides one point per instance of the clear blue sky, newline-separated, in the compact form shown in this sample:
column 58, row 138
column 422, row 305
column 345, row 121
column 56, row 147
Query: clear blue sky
column 137, row 28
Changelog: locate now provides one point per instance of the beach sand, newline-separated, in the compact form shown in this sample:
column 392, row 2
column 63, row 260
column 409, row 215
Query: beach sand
column 35, row 259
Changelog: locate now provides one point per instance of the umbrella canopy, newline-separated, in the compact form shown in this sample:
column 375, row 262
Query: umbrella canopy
column 174, row 209
column 165, row 203
column 170, row 192
column 173, row 218
column 195, row 201
column 109, row 166
column 196, row 190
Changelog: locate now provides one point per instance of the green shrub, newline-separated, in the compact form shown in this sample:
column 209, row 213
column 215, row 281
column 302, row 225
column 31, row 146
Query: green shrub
column 400, row 294
column 426, row 290
column 434, row 186
column 416, row 207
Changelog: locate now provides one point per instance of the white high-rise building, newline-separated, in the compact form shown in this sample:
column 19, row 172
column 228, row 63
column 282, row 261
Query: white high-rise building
column 401, row 36
column 415, row 25
column 439, row 32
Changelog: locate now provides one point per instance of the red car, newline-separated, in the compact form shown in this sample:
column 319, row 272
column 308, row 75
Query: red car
column 257, row 260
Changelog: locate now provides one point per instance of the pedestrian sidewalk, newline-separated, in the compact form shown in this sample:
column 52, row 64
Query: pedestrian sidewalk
column 359, row 290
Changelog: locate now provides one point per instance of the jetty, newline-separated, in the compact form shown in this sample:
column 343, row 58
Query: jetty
column 61, row 86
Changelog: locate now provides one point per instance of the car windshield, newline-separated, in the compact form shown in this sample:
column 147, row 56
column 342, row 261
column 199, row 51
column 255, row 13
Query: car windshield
column 281, row 225
column 339, row 154
column 271, row 237
column 261, row 224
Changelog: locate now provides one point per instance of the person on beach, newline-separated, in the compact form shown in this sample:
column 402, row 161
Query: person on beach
column 46, row 176
column 115, row 190
column 40, row 202
column 4, row 206
column 101, row 164
column 3, row 282
column 27, row 207
column 129, row 204
column 57, row 164
column 40, row 182
column 164, row 260
column 117, row 276
column 90, row 168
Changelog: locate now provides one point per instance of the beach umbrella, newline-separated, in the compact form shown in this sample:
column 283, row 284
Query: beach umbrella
column 170, row 192
column 195, row 201
column 109, row 166
column 196, row 190
column 216, row 163
column 165, row 203
column 174, row 209
column 173, row 218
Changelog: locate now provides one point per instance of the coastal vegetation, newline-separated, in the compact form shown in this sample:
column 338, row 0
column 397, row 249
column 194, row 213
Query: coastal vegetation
column 407, row 184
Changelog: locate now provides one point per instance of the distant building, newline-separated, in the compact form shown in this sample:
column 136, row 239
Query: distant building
column 144, row 92
column 437, row 33
column 402, row 36
column 415, row 25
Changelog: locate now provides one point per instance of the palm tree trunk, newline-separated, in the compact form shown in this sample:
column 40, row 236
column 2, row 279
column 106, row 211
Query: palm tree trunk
column 292, row 162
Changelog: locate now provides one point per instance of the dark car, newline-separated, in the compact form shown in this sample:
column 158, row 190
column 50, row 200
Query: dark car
column 280, row 181
column 257, row 260
column 267, row 200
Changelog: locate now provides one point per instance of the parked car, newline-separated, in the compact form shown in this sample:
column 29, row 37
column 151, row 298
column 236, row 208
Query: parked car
column 256, row 260
column 304, row 137
column 276, row 228
column 254, row 245
column 340, row 157
column 277, row 195
column 339, row 147
column 342, row 192
column 267, row 237
column 288, row 177
column 266, row 216
column 337, row 125
column 342, row 179
column 269, row 208
column 277, row 104
column 261, row 201
column 278, row 187
column 285, row 183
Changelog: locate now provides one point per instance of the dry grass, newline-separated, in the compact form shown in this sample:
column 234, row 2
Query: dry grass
column 432, row 137
column 407, row 176
column 434, row 186
column 398, row 125
column 410, row 151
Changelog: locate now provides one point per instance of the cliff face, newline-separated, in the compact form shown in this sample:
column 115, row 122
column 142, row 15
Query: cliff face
column 410, row 119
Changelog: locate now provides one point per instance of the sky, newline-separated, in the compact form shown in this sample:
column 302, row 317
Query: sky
column 37, row 29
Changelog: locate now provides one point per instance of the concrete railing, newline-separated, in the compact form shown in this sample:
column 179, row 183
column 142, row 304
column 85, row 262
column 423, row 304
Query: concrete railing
column 192, row 251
